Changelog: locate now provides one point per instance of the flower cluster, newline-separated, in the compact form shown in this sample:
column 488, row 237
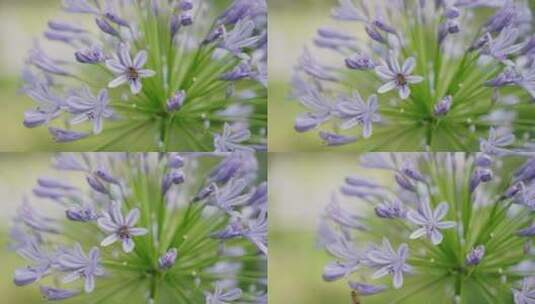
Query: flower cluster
column 435, row 74
column 153, row 75
column 184, row 228
column 455, row 226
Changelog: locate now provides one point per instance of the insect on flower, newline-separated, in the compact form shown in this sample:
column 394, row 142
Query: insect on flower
column 458, row 242
column 441, row 74
column 151, row 75
column 134, row 232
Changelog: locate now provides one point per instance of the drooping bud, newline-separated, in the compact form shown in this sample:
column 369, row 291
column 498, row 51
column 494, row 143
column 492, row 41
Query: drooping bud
column 443, row 106
column 176, row 101
column 475, row 256
column 167, row 260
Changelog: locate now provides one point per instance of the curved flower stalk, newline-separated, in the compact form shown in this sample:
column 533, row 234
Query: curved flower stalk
column 436, row 75
column 152, row 75
column 453, row 226
column 147, row 228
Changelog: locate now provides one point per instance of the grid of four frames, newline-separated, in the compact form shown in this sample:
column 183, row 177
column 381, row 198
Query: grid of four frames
column 396, row 138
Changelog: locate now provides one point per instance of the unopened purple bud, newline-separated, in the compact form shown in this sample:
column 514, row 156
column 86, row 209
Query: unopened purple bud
column 80, row 214
column 54, row 294
column 513, row 190
column 480, row 175
column 52, row 183
column 241, row 71
column 453, row 27
column 64, row 27
column 106, row 176
column 404, row 183
column 413, row 174
column 443, row 106
column 62, row 136
column 25, row 276
column 175, row 161
column 106, row 27
column 485, row 175
column 176, row 101
column 186, row 5
column 503, row 18
column 205, row 192
column 374, row 34
column 186, row 19
column 332, row 139
column 116, row 19
column 483, row 160
column 34, row 118
column 214, row 35
column 366, row 289
column 384, row 27
column 90, row 55
column 452, row 12
column 508, row 77
column 475, row 256
column 167, row 260
column 96, row 184
column 359, row 61
column 177, row 177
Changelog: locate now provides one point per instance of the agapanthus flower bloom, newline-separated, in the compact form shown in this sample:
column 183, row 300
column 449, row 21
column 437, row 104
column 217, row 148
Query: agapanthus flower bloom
column 441, row 237
column 127, row 234
column 445, row 71
column 151, row 75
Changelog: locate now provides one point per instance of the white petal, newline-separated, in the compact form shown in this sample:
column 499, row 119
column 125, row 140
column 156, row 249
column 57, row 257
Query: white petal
column 446, row 225
column 128, row 245
column 384, row 73
column 398, row 279
column 140, row 60
column 132, row 217
column 418, row 233
column 146, row 73
column 380, row 273
column 110, row 239
column 71, row 277
column 440, row 211
column 436, row 237
column 97, row 125
column 89, row 285
column 389, row 86
column 408, row 66
column 106, row 224
column 416, row 218
column 135, row 86
column 414, row 79
column 138, row 231
column 404, row 92
column 118, row 81
column 115, row 66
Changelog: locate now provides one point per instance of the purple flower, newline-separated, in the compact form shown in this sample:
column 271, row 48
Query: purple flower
column 41, row 263
column 389, row 261
column 176, row 101
column 79, row 6
column 503, row 45
column 430, row 221
column 79, row 265
column 221, row 296
column 167, row 260
column 55, row 294
column 241, row 36
column 230, row 195
column 61, row 135
column 355, row 111
column 232, row 138
column 397, row 77
column 333, row 139
column 366, row 289
column 129, row 71
column 496, row 142
column 121, row 228
column 443, row 106
column 475, row 255
column 526, row 295
column 348, row 259
column 527, row 232
column 85, row 106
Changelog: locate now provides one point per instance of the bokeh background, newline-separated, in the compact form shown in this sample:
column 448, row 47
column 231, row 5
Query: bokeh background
column 300, row 186
column 18, row 172
column 292, row 25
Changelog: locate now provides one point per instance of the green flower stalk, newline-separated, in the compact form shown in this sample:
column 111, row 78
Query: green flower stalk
column 153, row 75
column 454, row 227
column 147, row 228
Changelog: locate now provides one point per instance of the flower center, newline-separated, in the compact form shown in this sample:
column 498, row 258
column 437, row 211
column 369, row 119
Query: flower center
column 400, row 79
column 123, row 232
column 90, row 115
column 132, row 73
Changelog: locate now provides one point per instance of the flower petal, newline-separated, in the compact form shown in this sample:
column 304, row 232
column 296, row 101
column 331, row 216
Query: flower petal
column 389, row 86
column 110, row 239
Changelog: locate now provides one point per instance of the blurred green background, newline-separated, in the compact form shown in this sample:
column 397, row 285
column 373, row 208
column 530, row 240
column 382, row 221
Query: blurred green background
column 300, row 186
column 18, row 173
column 292, row 25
